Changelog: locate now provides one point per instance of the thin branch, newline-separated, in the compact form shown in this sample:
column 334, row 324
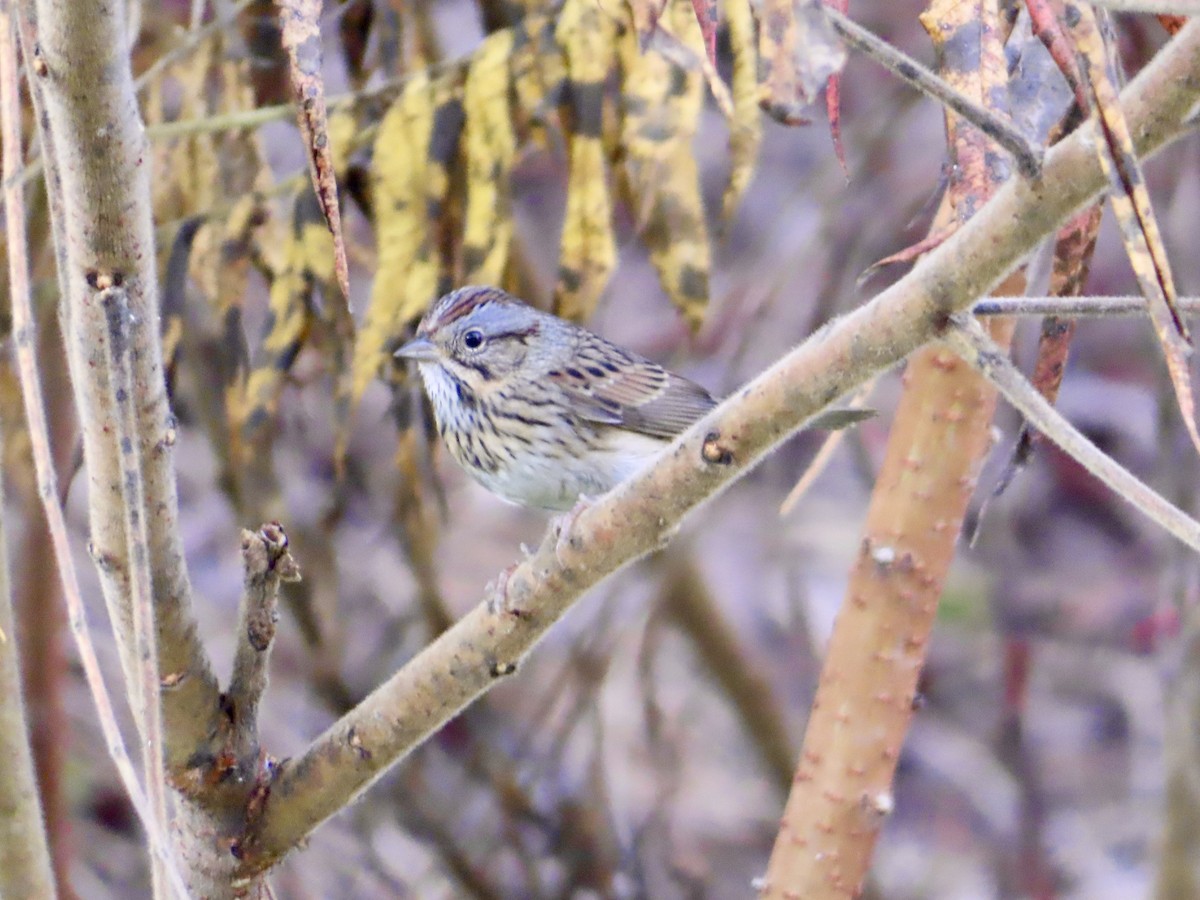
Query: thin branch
column 640, row 514
column 25, row 869
column 1166, row 7
column 246, row 119
column 969, row 341
column 195, row 37
column 118, row 337
column 1076, row 307
column 39, row 437
column 35, row 66
column 997, row 127
column 267, row 563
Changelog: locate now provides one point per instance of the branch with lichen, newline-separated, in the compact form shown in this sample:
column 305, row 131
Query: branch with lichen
column 640, row 515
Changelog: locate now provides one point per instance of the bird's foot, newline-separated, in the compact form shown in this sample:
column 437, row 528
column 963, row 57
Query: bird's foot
column 498, row 602
column 566, row 543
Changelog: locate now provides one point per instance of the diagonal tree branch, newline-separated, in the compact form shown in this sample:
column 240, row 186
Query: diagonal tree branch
column 641, row 514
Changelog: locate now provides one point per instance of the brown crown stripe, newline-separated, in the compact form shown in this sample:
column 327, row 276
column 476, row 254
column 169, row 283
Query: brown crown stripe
column 456, row 305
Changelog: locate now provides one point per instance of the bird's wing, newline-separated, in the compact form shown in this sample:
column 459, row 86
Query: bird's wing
column 612, row 386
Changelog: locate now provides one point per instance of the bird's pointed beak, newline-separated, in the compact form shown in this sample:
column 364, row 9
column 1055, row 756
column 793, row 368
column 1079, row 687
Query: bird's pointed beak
column 419, row 349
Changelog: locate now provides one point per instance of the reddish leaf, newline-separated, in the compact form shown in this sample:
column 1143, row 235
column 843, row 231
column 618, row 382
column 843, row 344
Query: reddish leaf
column 706, row 15
column 1172, row 23
column 908, row 254
column 1044, row 18
column 798, row 52
column 833, row 99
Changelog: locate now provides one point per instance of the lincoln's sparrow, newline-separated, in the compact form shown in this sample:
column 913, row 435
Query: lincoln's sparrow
column 538, row 410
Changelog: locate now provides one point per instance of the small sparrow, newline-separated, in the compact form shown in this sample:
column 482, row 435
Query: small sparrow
column 537, row 409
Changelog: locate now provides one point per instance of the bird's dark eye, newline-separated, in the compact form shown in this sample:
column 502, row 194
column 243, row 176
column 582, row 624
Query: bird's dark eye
column 473, row 339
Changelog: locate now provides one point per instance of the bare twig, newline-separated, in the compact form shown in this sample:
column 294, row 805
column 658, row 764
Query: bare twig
column 821, row 461
column 267, row 563
column 25, row 869
column 639, row 515
column 31, row 393
column 1167, row 7
column 1077, row 307
column 969, row 341
column 195, row 37
column 997, row 127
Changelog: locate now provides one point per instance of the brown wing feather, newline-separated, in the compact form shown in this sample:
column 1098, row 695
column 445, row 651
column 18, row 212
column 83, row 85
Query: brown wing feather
column 610, row 385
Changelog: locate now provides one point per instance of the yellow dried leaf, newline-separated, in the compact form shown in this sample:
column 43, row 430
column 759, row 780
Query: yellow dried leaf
column 970, row 49
column 662, row 98
column 491, row 145
column 799, row 51
column 588, row 250
column 309, row 259
column 343, row 128
column 745, row 128
column 1134, row 213
column 536, row 69
column 417, row 138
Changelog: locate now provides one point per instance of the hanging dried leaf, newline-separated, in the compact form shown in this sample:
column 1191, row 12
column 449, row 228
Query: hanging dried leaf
column 588, row 250
column 417, row 139
column 661, row 104
column 1131, row 204
column 745, row 127
column 174, row 294
column 302, row 41
column 969, row 46
column 490, row 148
column 1044, row 19
column 354, row 29
column 800, row 51
column 268, row 72
column 537, row 71
column 307, row 263
column 1073, row 250
column 833, row 98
